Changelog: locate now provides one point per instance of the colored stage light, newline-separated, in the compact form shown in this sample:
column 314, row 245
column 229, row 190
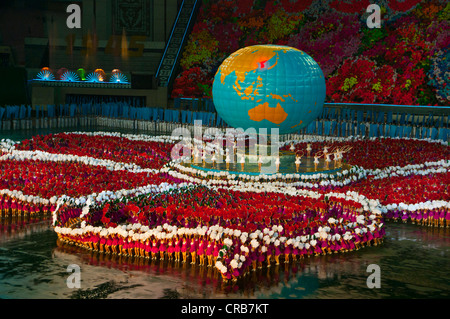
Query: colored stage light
column 101, row 73
column 60, row 73
column 118, row 78
column 45, row 75
column 94, row 77
column 70, row 76
column 82, row 74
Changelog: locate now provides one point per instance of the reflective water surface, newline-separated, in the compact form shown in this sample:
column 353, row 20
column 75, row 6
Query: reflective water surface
column 414, row 263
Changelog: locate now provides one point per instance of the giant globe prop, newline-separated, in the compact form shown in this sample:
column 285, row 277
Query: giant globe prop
column 269, row 86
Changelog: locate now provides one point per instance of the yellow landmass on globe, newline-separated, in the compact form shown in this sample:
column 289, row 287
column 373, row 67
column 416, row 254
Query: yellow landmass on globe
column 246, row 60
column 276, row 115
column 289, row 95
column 275, row 97
column 249, row 89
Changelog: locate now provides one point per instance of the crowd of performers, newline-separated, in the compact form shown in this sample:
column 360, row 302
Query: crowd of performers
column 46, row 179
column 377, row 153
column 238, row 246
column 15, row 207
column 145, row 154
column 330, row 154
column 424, row 217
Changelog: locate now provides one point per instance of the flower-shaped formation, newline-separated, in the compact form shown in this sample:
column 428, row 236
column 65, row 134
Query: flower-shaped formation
column 123, row 194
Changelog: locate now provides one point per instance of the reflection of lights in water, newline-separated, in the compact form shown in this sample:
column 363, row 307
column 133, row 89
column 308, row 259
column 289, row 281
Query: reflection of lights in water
column 270, row 280
column 19, row 228
column 427, row 237
column 135, row 277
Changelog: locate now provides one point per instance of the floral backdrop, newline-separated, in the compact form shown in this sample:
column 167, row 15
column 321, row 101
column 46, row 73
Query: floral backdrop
column 404, row 62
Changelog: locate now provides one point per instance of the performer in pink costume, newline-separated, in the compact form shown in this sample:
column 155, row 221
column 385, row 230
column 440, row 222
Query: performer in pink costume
column 154, row 248
column 209, row 252
column 177, row 248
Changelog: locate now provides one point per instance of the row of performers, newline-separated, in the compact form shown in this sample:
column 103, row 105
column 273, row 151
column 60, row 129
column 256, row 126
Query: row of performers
column 327, row 154
column 424, row 217
column 206, row 250
column 11, row 206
